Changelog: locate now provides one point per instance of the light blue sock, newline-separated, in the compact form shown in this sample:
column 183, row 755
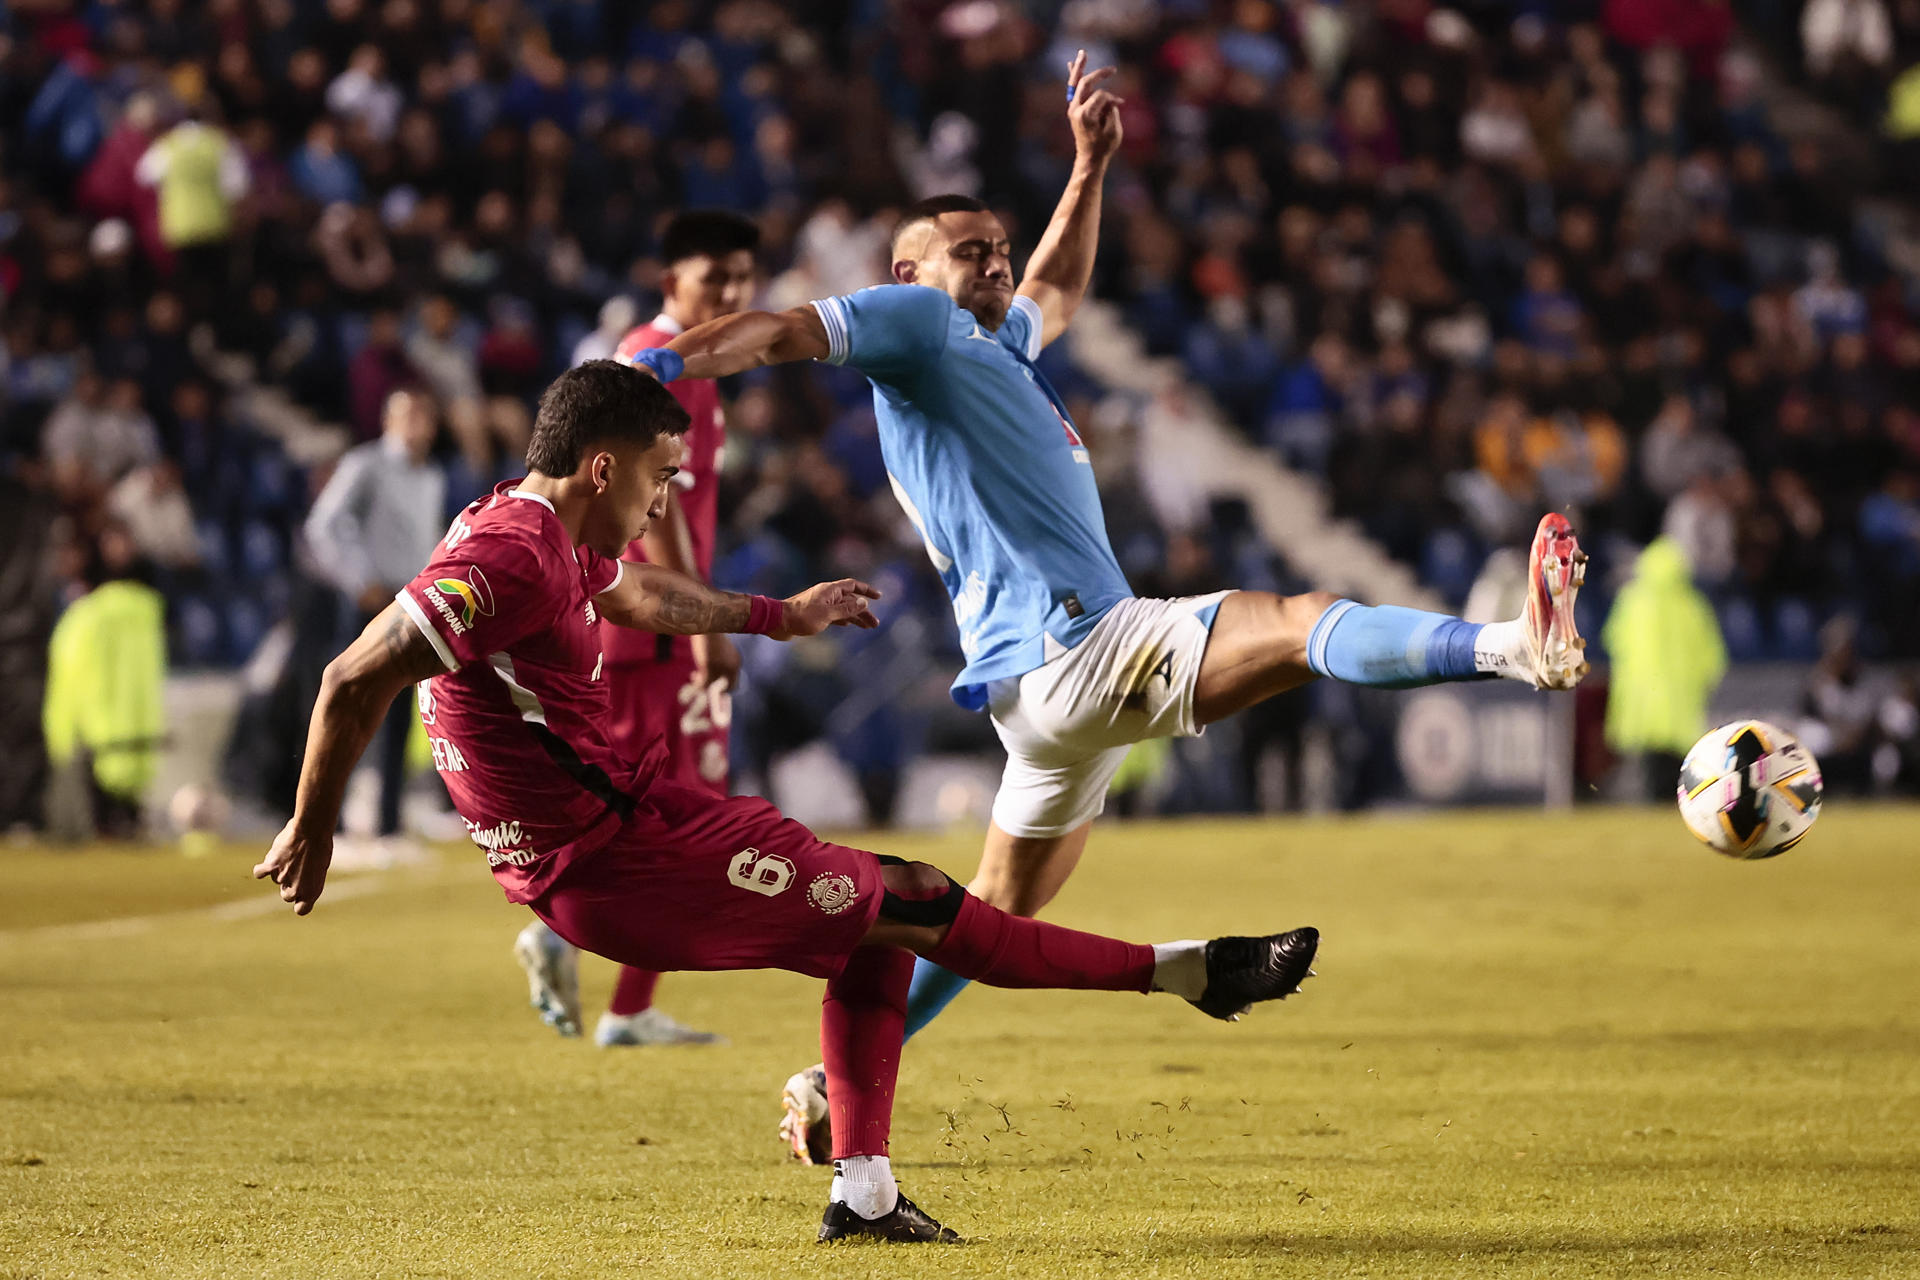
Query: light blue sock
column 1390, row 647
column 933, row 989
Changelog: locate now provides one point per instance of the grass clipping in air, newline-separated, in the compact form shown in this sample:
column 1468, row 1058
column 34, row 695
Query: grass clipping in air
column 1572, row 1046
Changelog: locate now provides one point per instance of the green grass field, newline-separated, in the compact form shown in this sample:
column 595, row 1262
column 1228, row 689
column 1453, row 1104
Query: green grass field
column 1580, row 1046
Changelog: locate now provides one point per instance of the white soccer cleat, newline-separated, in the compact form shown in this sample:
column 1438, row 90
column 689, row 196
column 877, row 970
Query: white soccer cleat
column 553, row 976
column 1556, row 567
column 805, row 1125
column 649, row 1026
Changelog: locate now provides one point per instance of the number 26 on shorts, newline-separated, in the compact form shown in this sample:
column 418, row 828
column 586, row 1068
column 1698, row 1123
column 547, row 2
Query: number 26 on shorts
column 763, row 873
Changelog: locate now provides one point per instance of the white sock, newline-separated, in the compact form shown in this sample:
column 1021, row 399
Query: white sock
column 1180, row 968
column 865, row 1185
column 1501, row 647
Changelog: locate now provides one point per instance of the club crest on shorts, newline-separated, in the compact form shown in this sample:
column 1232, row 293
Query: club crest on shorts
column 832, row 892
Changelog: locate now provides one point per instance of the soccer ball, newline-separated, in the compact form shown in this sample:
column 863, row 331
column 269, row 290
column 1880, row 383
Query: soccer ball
column 1749, row 790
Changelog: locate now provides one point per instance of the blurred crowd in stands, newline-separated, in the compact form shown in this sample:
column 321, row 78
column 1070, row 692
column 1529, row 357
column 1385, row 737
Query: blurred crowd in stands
column 1460, row 262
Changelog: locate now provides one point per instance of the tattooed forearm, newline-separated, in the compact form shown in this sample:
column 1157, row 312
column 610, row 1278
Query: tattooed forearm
column 683, row 611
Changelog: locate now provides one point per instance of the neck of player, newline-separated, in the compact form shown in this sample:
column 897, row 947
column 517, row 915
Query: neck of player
column 568, row 504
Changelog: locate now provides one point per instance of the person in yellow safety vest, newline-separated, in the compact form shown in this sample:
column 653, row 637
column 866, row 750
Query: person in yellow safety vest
column 1668, row 658
column 106, row 668
column 201, row 174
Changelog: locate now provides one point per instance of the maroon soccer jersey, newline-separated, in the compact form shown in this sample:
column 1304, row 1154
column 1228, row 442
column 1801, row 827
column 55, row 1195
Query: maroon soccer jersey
column 698, row 483
column 518, row 723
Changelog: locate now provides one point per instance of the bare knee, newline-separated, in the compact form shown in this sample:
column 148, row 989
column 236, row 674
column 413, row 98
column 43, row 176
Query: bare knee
column 1016, row 887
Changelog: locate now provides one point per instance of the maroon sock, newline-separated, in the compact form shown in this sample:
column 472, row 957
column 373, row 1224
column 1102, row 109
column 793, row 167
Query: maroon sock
column 632, row 992
column 988, row 945
column 862, row 1022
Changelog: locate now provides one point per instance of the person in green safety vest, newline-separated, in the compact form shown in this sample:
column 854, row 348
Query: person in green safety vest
column 106, row 667
column 1668, row 658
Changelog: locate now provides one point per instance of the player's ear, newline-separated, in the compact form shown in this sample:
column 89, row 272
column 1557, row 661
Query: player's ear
column 600, row 470
column 906, row 272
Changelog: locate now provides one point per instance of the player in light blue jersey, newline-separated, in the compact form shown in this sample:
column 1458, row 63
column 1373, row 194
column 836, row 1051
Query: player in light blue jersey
column 1072, row 667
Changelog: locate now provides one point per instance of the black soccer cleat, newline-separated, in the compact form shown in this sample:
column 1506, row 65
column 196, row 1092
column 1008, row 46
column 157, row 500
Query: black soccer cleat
column 906, row 1223
column 1244, row 971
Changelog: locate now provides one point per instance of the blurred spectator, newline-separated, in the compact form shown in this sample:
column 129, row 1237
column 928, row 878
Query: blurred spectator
column 152, row 505
column 104, row 718
column 444, row 357
column 372, row 527
column 376, row 371
column 98, row 434
column 617, row 315
column 201, row 174
column 1678, row 452
column 1841, row 706
column 1668, row 659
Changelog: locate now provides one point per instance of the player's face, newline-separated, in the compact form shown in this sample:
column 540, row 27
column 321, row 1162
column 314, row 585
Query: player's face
column 632, row 486
column 706, row 287
column 968, row 256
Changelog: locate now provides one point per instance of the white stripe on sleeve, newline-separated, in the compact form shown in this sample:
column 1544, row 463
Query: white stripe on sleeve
column 833, row 316
column 411, row 607
column 1036, row 323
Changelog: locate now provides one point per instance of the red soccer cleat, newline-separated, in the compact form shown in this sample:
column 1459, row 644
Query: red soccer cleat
column 1556, row 567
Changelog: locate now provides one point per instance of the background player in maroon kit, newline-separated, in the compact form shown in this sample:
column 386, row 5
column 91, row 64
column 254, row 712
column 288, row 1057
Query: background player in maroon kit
column 671, row 688
column 501, row 631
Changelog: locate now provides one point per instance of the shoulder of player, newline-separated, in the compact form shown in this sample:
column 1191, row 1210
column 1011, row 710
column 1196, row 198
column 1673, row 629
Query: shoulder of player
column 516, row 533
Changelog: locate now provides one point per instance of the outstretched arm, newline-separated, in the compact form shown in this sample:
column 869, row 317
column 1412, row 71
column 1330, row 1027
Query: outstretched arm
column 750, row 339
column 1061, row 266
column 669, row 544
column 355, row 693
column 651, row 598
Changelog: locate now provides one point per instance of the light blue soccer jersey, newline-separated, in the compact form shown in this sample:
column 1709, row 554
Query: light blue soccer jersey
column 989, row 468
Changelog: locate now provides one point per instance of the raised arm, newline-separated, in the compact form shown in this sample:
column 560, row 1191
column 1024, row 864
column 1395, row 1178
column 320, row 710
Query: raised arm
column 745, row 340
column 1061, row 266
column 358, row 687
column 651, row 598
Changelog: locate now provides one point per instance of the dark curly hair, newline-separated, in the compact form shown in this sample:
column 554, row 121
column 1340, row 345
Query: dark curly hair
column 601, row 401
column 707, row 232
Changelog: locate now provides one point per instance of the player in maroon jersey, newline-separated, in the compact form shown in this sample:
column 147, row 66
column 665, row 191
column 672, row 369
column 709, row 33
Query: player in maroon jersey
column 501, row 633
column 672, row 688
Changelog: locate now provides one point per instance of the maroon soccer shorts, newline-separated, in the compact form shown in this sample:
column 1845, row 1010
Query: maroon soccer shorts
column 696, row 882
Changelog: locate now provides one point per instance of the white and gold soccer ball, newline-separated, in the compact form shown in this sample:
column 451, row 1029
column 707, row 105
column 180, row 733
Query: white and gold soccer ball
column 1749, row 790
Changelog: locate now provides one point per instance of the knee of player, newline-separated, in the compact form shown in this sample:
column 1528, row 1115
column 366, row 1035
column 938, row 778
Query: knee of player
column 918, row 893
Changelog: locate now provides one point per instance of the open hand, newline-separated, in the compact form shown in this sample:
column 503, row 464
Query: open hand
column 831, row 604
column 298, row 863
column 1093, row 112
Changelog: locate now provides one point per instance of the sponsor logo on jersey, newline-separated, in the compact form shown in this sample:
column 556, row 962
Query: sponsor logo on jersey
column 832, row 892
column 446, row 756
column 499, row 841
column 474, row 594
column 429, row 705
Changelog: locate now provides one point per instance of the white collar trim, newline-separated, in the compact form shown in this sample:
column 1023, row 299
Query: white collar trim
column 531, row 497
column 667, row 324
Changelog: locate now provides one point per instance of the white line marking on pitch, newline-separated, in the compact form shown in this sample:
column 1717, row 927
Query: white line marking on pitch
column 266, row 904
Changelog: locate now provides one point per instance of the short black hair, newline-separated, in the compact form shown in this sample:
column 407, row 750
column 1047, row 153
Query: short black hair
column 711, row 233
column 599, row 401
column 930, row 208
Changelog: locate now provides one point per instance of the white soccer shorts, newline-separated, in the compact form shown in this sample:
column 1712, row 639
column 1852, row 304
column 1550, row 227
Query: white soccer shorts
column 1067, row 725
